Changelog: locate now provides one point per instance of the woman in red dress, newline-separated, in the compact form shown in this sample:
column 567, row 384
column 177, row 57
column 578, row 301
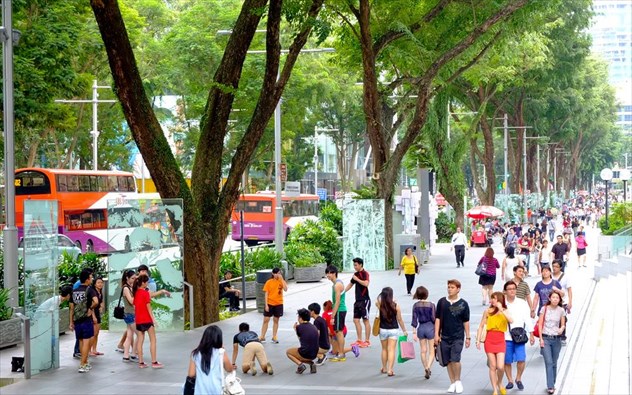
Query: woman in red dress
column 491, row 332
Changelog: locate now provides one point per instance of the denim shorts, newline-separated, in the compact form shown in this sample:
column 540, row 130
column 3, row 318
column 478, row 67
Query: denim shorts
column 386, row 334
column 84, row 329
column 128, row 318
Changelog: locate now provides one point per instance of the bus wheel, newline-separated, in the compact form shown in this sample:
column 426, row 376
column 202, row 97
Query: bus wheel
column 128, row 245
column 251, row 243
column 89, row 246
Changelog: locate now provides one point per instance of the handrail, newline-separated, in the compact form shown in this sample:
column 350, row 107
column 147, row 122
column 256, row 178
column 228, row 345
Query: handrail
column 625, row 231
column 26, row 333
column 237, row 278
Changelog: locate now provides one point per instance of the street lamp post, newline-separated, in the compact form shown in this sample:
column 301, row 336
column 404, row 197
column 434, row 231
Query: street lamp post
column 9, row 38
column 606, row 176
column 95, row 118
column 624, row 175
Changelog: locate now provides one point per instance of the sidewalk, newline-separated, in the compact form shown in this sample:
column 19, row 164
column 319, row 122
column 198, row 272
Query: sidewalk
column 361, row 375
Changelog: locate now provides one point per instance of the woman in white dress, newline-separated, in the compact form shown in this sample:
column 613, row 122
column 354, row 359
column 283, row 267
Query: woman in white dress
column 509, row 262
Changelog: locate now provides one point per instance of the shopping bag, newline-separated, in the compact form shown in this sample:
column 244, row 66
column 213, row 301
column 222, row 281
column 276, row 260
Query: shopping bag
column 405, row 349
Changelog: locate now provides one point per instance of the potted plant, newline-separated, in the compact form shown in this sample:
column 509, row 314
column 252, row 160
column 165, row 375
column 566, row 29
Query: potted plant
column 10, row 326
column 309, row 264
column 255, row 259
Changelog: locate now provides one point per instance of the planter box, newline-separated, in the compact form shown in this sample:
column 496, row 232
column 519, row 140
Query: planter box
column 10, row 332
column 309, row 274
column 250, row 289
column 64, row 320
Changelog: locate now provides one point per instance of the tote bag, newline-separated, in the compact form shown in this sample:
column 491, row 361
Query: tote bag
column 405, row 349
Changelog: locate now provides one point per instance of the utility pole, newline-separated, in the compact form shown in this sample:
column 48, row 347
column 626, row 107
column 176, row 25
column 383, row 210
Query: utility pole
column 95, row 132
column 506, row 150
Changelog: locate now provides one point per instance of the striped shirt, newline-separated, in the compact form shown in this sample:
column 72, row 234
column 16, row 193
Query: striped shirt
column 522, row 290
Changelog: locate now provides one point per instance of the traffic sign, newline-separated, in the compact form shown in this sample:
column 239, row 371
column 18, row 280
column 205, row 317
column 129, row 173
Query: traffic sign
column 322, row 193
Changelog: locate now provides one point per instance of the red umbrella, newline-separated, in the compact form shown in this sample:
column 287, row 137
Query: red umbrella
column 480, row 212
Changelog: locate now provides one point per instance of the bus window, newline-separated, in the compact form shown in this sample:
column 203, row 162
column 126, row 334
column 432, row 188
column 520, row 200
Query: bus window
column 112, row 184
column 31, row 183
column 73, row 183
column 94, row 183
column 84, row 183
column 126, row 184
column 254, row 206
column 62, row 184
column 102, row 183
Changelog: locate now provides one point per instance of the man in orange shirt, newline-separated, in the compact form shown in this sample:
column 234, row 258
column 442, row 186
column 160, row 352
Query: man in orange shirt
column 273, row 303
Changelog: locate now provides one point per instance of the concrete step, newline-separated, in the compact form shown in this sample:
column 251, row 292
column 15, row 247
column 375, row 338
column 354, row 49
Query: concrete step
column 619, row 380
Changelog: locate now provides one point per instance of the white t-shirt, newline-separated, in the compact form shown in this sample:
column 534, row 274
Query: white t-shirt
column 511, row 262
column 565, row 283
column 520, row 314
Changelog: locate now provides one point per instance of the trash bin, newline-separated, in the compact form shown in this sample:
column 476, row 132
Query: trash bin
column 262, row 277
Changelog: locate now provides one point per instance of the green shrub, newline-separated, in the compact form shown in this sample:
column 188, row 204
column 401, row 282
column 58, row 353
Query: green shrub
column 445, row 228
column 255, row 259
column 69, row 268
column 619, row 216
column 303, row 254
column 321, row 235
column 6, row 311
column 330, row 213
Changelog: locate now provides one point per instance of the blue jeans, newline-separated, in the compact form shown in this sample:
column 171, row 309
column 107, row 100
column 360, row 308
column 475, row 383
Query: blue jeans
column 527, row 260
column 551, row 352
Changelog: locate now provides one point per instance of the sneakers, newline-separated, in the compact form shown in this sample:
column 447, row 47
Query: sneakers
column 338, row 358
column 119, row 349
column 262, row 340
column 253, row 369
column 458, row 387
column 503, row 391
column 83, row 369
column 158, row 365
column 269, row 369
column 301, row 368
column 321, row 361
column 451, row 388
column 142, row 365
column 133, row 358
column 275, row 340
column 519, row 384
column 312, row 368
column 76, row 355
column 355, row 350
column 364, row 344
column 357, row 343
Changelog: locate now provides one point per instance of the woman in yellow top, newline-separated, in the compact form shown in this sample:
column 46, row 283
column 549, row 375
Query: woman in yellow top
column 491, row 331
column 408, row 264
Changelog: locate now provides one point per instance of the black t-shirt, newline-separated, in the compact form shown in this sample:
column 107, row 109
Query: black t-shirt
column 559, row 250
column 308, row 336
column 243, row 338
column 323, row 332
column 82, row 299
column 452, row 317
column 222, row 289
column 361, row 292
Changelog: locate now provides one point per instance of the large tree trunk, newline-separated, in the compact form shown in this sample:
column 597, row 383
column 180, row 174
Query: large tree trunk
column 207, row 208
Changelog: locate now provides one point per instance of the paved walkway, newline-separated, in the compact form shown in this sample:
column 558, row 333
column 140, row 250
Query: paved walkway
column 361, row 375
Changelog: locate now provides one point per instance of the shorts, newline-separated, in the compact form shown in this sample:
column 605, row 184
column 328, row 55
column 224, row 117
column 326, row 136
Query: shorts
column 361, row 309
column 339, row 321
column 144, row 327
column 451, row 350
column 84, row 329
column 515, row 352
column 426, row 330
column 129, row 318
column 386, row 334
column 581, row 251
column 274, row 311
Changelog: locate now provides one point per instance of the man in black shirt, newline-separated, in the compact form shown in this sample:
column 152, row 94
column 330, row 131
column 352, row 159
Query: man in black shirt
column 451, row 325
column 253, row 348
column 323, row 333
column 560, row 251
column 82, row 303
column 362, row 304
column 227, row 291
column 308, row 338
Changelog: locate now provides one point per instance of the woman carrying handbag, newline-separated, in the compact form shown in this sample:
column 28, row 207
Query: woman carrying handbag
column 551, row 325
column 207, row 364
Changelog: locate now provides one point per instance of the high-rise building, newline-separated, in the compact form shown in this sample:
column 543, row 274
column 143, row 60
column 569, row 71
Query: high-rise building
column 612, row 40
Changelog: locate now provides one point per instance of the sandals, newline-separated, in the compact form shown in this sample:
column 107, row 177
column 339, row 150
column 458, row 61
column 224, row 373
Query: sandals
column 428, row 373
column 383, row 371
column 390, row 374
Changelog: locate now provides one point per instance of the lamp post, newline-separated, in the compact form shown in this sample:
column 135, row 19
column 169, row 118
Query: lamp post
column 95, row 119
column 9, row 38
column 606, row 175
column 624, row 175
